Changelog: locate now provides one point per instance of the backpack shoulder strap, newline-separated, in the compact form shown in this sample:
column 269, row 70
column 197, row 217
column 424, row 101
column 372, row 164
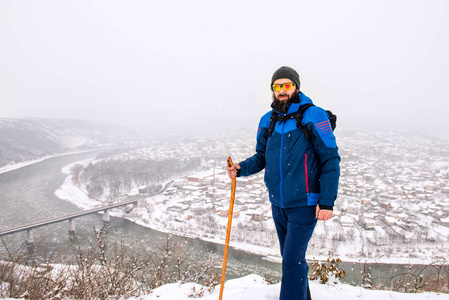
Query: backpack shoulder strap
column 299, row 116
column 273, row 120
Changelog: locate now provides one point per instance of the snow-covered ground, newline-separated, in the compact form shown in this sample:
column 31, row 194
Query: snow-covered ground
column 69, row 191
column 253, row 287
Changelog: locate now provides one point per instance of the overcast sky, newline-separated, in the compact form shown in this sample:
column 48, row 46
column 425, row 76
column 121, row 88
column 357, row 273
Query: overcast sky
column 185, row 64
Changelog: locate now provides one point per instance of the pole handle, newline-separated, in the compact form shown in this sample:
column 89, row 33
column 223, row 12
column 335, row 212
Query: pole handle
column 230, row 163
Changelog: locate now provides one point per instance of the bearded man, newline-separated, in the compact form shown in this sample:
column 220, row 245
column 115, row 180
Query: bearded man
column 302, row 169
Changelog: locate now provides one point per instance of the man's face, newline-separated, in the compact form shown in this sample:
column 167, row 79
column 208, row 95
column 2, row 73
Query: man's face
column 283, row 95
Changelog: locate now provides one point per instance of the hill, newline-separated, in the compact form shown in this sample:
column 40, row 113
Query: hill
column 30, row 139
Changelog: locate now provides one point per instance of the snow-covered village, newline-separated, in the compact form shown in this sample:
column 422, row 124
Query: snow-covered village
column 392, row 204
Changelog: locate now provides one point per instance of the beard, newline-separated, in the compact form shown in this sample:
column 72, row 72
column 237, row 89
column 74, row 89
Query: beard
column 282, row 106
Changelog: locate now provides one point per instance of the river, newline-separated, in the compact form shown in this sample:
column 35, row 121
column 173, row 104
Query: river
column 27, row 196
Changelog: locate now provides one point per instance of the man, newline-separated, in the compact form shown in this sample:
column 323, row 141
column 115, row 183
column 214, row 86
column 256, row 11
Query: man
column 301, row 174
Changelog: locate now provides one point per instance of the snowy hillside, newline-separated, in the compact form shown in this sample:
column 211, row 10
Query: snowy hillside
column 30, row 139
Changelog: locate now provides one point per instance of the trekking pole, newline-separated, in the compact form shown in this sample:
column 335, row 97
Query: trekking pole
column 228, row 230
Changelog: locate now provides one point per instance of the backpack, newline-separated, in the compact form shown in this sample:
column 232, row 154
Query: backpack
column 298, row 116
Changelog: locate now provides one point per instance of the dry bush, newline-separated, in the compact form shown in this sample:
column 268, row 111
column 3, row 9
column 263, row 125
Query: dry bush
column 439, row 282
column 21, row 275
column 327, row 270
column 104, row 271
column 431, row 278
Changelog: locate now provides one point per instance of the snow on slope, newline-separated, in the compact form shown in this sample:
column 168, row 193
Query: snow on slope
column 253, row 287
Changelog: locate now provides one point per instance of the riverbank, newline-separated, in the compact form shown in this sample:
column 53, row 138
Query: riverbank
column 15, row 166
column 77, row 196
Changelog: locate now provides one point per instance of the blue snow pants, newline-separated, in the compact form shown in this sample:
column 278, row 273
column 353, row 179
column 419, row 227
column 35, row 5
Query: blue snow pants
column 294, row 227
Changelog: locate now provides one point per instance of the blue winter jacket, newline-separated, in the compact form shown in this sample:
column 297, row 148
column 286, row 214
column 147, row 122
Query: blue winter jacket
column 297, row 172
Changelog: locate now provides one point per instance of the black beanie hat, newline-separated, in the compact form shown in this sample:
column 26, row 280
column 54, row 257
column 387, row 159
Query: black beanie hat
column 286, row 72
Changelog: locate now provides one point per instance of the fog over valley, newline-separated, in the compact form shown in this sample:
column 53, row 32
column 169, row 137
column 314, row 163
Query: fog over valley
column 205, row 66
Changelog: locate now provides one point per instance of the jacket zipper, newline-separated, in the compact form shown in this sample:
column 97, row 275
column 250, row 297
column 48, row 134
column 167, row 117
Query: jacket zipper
column 280, row 164
column 307, row 175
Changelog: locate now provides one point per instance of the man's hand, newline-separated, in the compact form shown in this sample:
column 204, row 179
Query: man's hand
column 323, row 214
column 232, row 170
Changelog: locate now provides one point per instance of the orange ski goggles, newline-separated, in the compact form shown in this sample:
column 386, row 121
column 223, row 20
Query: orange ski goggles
column 285, row 86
